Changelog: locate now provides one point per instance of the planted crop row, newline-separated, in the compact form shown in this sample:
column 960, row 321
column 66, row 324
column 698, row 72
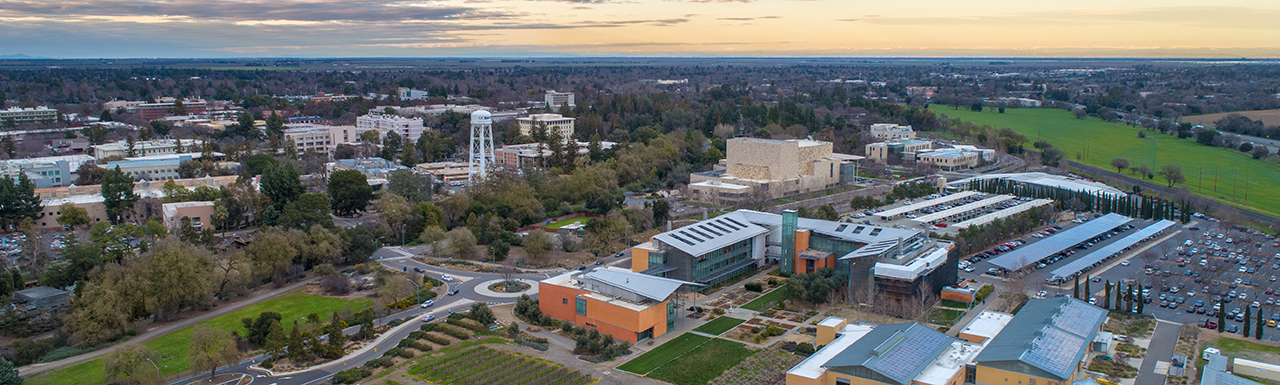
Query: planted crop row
column 476, row 355
column 498, row 359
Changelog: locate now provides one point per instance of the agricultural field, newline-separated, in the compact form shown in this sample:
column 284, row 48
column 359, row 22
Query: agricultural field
column 719, row 325
column 767, row 300
column 483, row 365
column 173, row 347
column 1227, row 176
column 1268, row 117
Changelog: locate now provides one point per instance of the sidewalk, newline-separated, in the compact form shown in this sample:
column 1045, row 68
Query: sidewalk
column 420, row 251
column 37, row 368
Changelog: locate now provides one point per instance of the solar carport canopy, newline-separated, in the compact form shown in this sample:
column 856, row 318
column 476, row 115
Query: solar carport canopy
column 1107, row 251
column 1030, row 254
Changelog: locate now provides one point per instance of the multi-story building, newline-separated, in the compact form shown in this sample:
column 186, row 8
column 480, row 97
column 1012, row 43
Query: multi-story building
column 370, row 167
column 200, row 213
column 406, row 93
column 157, row 167
column 90, row 198
column 408, row 128
column 154, row 111
column 889, row 131
column 898, row 263
column 899, row 354
column 318, row 138
column 307, row 120
column 519, row 156
column 1047, row 342
column 147, row 148
column 629, row 306
column 554, row 122
column 768, row 169
column 902, row 148
column 39, row 114
column 556, row 100
column 46, row 172
column 950, row 159
column 453, row 173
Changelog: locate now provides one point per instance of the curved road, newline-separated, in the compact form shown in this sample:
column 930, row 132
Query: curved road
column 469, row 292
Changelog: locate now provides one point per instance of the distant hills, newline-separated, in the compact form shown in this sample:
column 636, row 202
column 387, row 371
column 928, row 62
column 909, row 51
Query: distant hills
column 20, row 56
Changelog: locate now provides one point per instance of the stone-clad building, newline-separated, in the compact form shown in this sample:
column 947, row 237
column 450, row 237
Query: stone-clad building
column 772, row 168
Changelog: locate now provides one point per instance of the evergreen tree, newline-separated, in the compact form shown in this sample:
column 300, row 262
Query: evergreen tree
column 1222, row 320
column 1076, row 288
column 1248, row 318
column 1260, row 325
column 1106, row 299
column 117, row 193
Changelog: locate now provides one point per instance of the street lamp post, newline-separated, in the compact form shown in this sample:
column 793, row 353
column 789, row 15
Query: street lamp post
column 153, row 363
column 417, row 292
column 402, row 235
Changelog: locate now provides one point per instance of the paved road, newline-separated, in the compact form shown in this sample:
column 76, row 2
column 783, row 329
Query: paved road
column 467, row 284
column 1161, row 349
column 37, row 368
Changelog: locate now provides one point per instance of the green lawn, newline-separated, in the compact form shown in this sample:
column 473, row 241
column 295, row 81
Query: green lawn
column 703, row 364
column 944, row 316
column 173, row 347
column 559, row 223
column 954, row 304
column 767, row 300
column 1100, row 141
column 719, row 325
column 663, row 354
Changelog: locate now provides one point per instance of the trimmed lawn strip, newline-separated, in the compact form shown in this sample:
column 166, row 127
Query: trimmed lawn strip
column 767, row 300
column 1105, row 141
column 562, row 222
column 663, row 354
column 954, row 304
column 703, row 364
column 719, row 325
column 174, row 347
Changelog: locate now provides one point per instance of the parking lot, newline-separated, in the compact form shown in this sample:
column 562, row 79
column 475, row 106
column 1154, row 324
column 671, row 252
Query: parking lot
column 1196, row 267
column 942, row 226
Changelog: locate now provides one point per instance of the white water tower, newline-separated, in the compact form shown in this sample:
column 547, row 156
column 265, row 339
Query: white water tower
column 481, row 146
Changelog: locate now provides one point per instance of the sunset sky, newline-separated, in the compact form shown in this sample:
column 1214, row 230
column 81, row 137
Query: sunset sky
column 371, row 28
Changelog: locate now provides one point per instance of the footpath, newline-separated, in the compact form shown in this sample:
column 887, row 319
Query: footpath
column 41, row 367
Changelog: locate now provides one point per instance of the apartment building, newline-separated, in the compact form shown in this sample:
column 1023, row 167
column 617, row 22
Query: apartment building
column 408, row 128
column 19, row 115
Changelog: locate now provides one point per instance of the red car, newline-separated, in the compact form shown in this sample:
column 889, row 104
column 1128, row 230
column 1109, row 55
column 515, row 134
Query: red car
column 1211, row 324
column 940, row 224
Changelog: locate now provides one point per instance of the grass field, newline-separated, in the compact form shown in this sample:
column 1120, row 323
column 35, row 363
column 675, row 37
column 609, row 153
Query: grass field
column 663, row 354
column 562, row 222
column 944, row 316
column 719, row 325
column 1268, row 117
column 703, row 364
column 173, row 347
column 767, row 300
column 1240, row 180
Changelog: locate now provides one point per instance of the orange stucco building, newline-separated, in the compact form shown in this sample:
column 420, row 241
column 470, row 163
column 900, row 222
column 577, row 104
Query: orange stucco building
column 629, row 306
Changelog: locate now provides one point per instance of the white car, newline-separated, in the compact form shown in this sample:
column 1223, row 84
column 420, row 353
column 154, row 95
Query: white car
column 1243, row 269
column 428, row 303
column 446, row 278
column 428, row 318
column 1125, row 263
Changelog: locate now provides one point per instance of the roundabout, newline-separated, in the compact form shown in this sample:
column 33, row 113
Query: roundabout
column 529, row 287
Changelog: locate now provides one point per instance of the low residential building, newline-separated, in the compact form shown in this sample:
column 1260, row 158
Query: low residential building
column 39, row 114
column 408, row 128
column 147, row 148
column 898, row 263
column 370, row 167
column 1047, row 342
column 46, row 172
column 771, row 169
column 890, row 131
column 900, row 354
column 902, row 148
column 629, row 306
column 200, row 213
column 555, row 123
column 556, row 100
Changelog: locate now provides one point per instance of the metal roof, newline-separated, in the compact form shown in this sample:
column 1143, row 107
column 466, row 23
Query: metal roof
column 924, row 204
column 1048, row 336
column 897, row 352
column 1112, row 248
column 1003, row 213
column 1215, row 372
column 1056, row 243
column 844, row 230
column 1048, row 180
column 962, row 209
column 712, row 234
column 652, row 287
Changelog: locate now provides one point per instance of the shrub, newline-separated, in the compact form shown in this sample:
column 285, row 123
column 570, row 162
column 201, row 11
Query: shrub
column 435, row 339
column 468, row 325
column 566, row 327
column 268, row 364
column 392, row 352
column 756, row 329
column 718, row 311
column 429, row 327
column 753, row 286
column 984, row 292
column 773, row 330
column 405, row 353
column 455, row 332
column 336, row 284
column 804, row 348
column 351, row 376
column 374, row 363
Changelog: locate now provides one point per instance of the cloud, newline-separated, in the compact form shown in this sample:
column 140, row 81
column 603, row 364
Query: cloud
column 748, row 18
column 302, row 10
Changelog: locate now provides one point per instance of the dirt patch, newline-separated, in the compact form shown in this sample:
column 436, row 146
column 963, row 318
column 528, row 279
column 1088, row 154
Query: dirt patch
column 1268, row 117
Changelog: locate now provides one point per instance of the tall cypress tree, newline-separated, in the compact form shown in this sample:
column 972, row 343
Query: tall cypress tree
column 1106, row 299
column 1248, row 319
column 1222, row 321
column 1076, row 289
column 1259, row 324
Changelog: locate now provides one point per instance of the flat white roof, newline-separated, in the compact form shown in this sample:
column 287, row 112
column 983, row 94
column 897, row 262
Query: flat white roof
column 1043, row 179
column 948, row 364
column 1003, row 213
column 962, row 209
column 927, row 203
column 987, row 324
column 910, row 271
column 718, row 184
column 812, row 367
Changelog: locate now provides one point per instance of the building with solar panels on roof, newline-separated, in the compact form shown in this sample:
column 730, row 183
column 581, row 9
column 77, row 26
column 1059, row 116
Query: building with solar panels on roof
column 1046, row 343
column 901, row 354
column 629, row 306
column 897, row 263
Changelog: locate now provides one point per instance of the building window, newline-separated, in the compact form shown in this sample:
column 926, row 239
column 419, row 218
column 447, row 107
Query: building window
column 842, row 381
column 564, row 301
column 581, row 306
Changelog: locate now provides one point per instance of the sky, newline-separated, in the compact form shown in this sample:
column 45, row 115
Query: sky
column 503, row 28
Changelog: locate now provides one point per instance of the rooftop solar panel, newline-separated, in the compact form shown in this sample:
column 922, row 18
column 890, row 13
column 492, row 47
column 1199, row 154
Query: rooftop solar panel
column 1110, row 249
column 909, row 355
column 841, row 227
column 1077, row 318
column 735, row 222
column 728, row 224
column 677, row 237
column 1034, row 252
column 700, row 233
column 1054, row 351
column 858, row 230
column 717, row 226
column 691, row 236
column 710, row 230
